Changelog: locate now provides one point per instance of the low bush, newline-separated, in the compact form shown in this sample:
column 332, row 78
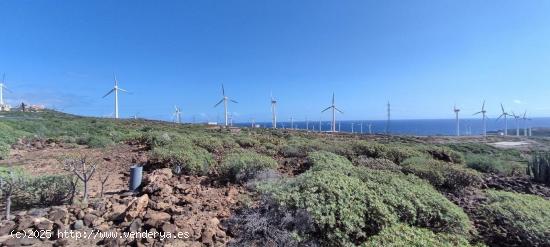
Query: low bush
column 48, row 190
column 239, row 166
column 38, row 191
column 488, row 164
column 403, row 235
column 516, row 219
column 209, row 143
column 323, row 160
column 192, row 160
column 376, row 164
column 416, row 202
column 395, row 153
column 440, row 174
column 349, row 207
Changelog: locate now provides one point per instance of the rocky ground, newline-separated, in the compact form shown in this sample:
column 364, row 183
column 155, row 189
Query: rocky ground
column 187, row 205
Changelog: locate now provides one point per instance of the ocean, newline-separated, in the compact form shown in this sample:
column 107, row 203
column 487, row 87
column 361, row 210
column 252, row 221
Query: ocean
column 420, row 127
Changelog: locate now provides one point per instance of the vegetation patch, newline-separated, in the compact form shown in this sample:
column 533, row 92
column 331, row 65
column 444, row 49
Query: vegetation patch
column 440, row 174
column 243, row 165
column 516, row 219
column 401, row 235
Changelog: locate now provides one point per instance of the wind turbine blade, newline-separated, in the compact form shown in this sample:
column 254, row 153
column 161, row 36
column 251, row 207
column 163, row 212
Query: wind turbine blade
column 502, row 107
column 223, row 90
column 499, row 117
column 339, row 110
column 6, row 88
column 326, row 109
column 219, row 103
column 114, row 77
column 234, row 101
column 123, row 90
column 524, row 114
column 477, row 113
column 332, row 98
column 112, row 90
column 483, row 106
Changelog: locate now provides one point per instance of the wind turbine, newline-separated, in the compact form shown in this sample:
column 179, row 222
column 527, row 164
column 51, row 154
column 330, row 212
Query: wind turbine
column 525, row 119
column 273, row 112
column 484, row 115
column 2, row 87
column 456, row 110
column 177, row 114
column 517, row 122
column 505, row 115
column 225, row 100
column 115, row 90
column 334, row 109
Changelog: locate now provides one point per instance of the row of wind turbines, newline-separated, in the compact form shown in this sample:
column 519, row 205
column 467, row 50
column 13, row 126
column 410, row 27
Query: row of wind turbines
column 226, row 100
column 527, row 131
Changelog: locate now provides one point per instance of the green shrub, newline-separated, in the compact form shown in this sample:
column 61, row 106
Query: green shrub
column 488, row 164
column 242, row 165
column 336, row 202
column 401, row 235
column 323, row 160
column 349, row 208
column 193, row 160
column 247, row 142
column 441, row 174
column 209, row 143
column 517, row 219
column 395, row 153
column 416, row 202
column 39, row 191
column 376, row 164
column 47, row 190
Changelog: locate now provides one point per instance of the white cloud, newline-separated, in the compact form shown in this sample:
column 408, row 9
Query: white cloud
column 517, row 101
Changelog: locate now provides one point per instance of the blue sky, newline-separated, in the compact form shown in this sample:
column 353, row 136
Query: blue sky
column 423, row 56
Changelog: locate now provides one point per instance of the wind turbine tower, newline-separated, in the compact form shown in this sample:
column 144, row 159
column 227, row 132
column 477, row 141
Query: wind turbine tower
column 516, row 117
column 525, row 128
column 456, row 110
column 334, row 110
column 505, row 115
column 177, row 114
column 273, row 112
column 2, row 87
column 483, row 113
column 225, row 100
column 115, row 90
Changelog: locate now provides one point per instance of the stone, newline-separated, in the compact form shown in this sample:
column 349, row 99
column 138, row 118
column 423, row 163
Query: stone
column 43, row 224
column 117, row 210
column 103, row 227
column 78, row 225
column 89, row 219
column 167, row 227
column 208, row 236
column 135, row 226
column 6, row 227
column 59, row 214
column 25, row 222
column 37, row 212
column 156, row 218
column 61, row 242
column 137, row 207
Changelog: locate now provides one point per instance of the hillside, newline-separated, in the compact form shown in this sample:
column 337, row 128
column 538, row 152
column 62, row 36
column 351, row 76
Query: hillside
column 210, row 186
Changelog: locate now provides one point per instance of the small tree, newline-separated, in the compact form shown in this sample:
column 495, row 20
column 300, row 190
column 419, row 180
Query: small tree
column 103, row 177
column 10, row 182
column 83, row 168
